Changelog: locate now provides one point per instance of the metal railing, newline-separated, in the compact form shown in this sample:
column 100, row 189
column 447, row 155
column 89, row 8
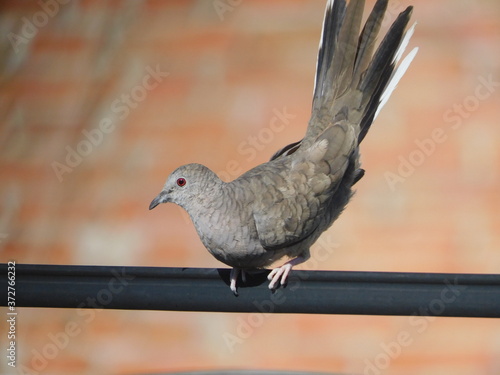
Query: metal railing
column 201, row 289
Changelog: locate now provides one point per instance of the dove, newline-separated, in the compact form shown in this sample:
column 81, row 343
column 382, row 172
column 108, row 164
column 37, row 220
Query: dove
column 279, row 208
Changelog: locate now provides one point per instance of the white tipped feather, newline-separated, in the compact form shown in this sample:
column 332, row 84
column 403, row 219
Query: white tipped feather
column 329, row 6
column 401, row 70
column 404, row 43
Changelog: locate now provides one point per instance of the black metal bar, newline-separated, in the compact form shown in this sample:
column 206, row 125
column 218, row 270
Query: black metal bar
column 200, row 289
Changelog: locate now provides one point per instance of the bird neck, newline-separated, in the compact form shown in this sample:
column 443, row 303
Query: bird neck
column 207, row 195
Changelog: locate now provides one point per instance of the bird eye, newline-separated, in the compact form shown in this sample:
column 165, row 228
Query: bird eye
column 181, row 182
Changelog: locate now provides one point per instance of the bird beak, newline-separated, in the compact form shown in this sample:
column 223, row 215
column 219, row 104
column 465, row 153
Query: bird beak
column 159, row 199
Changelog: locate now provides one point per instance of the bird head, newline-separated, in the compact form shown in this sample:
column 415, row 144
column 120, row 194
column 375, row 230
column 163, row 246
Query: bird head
column 186, row 185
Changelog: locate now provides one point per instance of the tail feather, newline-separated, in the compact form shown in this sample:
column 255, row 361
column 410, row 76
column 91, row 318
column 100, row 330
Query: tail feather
column 334, row 14
column 401, row 69
column 340, row 72
column 357, row 82
column 368, row 39
column 397, row 75
column 352, row 82
column 380, row 71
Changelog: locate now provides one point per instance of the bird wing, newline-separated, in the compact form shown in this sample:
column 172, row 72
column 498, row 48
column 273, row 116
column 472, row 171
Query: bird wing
column 295, row 192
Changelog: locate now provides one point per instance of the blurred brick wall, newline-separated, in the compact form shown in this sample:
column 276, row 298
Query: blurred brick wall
column 101, row 100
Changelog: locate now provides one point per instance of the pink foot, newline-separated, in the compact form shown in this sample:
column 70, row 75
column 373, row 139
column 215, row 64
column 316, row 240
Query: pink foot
column 279, row 275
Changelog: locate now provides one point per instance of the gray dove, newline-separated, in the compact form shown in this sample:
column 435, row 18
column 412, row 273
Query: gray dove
column 281, row 207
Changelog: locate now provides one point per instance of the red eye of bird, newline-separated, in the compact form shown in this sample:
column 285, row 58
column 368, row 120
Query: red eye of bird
column 181, row 182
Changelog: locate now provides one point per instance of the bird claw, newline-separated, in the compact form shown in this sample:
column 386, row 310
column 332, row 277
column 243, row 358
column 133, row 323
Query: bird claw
column 233, row 288
column 279, row 275
column 233, row 277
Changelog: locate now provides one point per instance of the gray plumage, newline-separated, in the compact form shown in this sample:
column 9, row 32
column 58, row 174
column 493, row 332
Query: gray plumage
column 281, row 207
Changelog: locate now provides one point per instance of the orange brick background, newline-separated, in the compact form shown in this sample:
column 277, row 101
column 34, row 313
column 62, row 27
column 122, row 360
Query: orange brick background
column 228, row 76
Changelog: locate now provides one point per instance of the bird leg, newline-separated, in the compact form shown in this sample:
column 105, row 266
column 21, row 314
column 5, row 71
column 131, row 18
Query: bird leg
column 282, row 272
column 233, row 277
